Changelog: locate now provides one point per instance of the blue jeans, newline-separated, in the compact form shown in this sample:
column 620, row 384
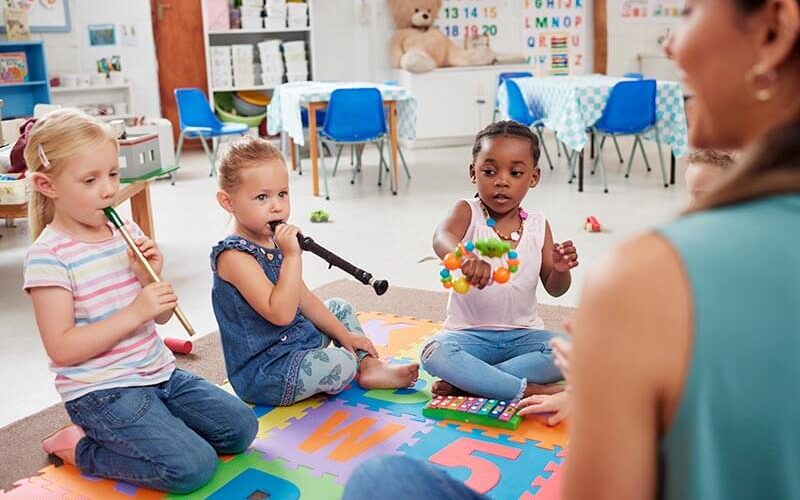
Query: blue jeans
column 393, row 477
column 490, row 363
column 165, row 436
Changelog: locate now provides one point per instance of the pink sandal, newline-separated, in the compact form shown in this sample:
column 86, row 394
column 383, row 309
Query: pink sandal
column 65, row 439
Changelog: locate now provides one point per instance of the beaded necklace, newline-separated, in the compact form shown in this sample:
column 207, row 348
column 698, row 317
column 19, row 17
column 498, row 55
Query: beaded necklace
column 515, row 235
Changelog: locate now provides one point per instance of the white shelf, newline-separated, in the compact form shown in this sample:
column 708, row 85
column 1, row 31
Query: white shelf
column 236, row 89
column 116, row 117
column 92, row 88
column 260, row 31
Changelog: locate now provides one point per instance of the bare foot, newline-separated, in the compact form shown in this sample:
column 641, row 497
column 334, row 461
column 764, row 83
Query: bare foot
column 64, row 443
column 442, row 388
column 532, row 389
column 377, row 374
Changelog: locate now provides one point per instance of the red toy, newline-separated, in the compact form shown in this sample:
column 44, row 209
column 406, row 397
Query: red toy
column 178, row 346
column 592, row 224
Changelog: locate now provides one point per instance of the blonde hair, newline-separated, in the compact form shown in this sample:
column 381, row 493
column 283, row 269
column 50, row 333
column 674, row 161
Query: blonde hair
column 246, row 153
column 61, row 135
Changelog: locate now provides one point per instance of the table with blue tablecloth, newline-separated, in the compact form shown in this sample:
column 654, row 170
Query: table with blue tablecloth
column 288, row 100
column 569, row 105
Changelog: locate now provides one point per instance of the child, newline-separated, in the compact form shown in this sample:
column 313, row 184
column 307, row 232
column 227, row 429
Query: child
column 137, row 418
column 704, row 169
column 275, row 332
column 493, row 343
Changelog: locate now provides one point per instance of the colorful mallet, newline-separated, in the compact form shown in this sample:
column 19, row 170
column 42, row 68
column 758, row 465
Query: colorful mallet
column 117, row 221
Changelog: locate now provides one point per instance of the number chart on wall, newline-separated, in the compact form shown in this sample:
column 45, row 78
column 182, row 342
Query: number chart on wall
column 551, row 33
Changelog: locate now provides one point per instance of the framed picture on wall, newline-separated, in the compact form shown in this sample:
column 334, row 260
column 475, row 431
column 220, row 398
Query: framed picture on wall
column 43, row 15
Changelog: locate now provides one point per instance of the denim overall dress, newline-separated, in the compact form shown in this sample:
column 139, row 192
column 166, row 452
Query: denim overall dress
column 262, row 359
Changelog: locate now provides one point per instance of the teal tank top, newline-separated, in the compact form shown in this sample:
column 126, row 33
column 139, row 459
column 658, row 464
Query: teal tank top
column 736, row 433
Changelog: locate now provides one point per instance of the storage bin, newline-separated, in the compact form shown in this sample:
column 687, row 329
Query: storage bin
column 139, row 155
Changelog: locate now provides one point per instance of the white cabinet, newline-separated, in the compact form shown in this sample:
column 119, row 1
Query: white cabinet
column 453, row 104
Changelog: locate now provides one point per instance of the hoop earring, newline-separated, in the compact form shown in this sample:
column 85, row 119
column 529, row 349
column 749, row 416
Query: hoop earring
column 760, row 81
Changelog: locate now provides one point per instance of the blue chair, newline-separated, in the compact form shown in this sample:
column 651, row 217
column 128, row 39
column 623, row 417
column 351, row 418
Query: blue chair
column 519, row 111
column 630, row 110
column 502, row 77
column 354, row 116
column 198, row 121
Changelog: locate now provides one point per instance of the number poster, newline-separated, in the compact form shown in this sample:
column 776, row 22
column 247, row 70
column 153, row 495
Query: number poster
column 552, row 34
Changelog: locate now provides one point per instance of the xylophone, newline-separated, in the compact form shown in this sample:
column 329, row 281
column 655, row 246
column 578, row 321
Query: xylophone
column 483, row 411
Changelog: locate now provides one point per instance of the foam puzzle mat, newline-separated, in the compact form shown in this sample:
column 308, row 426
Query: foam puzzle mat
column 308, row 450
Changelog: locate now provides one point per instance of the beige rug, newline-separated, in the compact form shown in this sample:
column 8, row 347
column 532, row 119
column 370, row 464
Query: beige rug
column 20, row 441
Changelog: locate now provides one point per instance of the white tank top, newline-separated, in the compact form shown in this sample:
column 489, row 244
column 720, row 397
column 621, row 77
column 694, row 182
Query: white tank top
column 508, row 306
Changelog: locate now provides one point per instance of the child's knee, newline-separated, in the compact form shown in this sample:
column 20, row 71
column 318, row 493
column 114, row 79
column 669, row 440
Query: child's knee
column 189, row 471
column 434, row 353
column 339, row 306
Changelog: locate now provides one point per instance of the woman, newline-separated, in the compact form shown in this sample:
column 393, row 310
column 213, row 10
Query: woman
column 696, row 326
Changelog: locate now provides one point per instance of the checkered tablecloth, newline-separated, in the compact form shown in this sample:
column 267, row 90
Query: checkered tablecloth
column 570, row 104
column 283, row 112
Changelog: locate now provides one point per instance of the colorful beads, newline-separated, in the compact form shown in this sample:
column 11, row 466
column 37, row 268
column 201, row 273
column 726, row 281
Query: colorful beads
column 461, row 285
column 491, row 248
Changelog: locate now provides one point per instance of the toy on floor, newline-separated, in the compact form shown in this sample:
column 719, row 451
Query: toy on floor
column 178, row 346
column 592, row 224
column 320, row 216
column 482, row 411
column 490, row 247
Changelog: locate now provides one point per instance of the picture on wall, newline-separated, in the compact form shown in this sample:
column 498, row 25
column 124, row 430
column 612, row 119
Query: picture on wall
column 551, row 34
column 102, row 34
column 43, row 15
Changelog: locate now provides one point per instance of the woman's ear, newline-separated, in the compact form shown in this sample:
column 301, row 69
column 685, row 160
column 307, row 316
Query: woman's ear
column 780, row 25
column 43, row 184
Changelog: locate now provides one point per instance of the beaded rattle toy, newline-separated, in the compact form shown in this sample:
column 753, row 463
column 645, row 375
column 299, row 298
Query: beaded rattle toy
column 492, row 248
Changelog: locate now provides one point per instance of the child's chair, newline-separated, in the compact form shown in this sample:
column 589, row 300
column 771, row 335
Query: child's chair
column 519, row 111
column 502, row 77
column 355, row 116
column 630, row 110
column 198, row 121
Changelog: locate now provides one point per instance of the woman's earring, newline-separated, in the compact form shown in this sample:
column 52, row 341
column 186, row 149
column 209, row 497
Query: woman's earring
column 760, row 81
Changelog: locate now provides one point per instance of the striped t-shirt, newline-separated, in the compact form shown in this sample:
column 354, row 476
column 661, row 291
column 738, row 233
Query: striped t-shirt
column 99, row 277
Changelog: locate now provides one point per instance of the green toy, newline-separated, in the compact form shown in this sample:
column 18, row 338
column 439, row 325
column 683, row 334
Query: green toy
column 319, row 216
column 482, row 411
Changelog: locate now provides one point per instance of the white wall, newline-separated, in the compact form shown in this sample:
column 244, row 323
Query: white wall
column 351, row 40
column 627, row 39
column 71, row 53
column 346, row 48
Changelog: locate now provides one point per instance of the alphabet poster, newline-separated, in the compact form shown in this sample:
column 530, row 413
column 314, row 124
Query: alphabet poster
column 552, row 34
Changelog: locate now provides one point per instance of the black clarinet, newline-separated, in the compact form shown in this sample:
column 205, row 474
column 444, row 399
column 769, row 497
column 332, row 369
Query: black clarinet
column 308, row 244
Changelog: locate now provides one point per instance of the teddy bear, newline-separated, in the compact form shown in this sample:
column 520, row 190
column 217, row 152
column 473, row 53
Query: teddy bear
column 417, row 46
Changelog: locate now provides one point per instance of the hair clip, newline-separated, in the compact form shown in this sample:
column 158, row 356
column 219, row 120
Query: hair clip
column 43, row 157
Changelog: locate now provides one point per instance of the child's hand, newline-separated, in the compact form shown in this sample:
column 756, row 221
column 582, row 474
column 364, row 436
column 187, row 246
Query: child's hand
column 353, row 342
column 153, row 300
column 565, row 256
column 477, row 271
column 286, row 239
column 153, row 255
column 558, row 404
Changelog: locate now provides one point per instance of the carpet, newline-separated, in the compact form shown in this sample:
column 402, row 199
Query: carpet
column 308, row 450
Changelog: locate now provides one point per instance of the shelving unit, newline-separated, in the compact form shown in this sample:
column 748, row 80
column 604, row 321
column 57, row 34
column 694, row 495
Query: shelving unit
column 20, row 98
column 96, row 94
column 253, row 37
